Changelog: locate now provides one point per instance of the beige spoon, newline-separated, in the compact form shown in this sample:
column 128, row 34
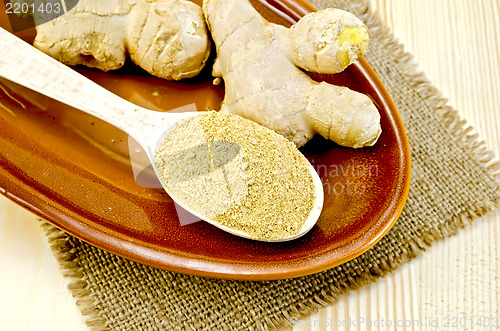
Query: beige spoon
column 21, row 63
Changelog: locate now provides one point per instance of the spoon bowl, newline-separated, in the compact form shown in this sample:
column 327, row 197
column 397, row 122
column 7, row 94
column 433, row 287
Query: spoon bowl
column 26, row 66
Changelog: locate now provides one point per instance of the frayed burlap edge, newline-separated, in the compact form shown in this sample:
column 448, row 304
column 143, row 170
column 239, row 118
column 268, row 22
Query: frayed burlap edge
column 463, row 134
column 458, row 128
column 71, row 269
column 450, row 118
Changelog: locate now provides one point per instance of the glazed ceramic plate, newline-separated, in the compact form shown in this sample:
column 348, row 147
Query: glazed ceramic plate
column 74, row 171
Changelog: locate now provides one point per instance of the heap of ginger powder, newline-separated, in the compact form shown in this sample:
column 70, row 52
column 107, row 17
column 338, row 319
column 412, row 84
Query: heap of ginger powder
column 237, row 173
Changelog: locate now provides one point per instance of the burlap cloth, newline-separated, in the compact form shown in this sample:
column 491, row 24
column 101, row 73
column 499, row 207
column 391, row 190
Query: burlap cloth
column 453, row 182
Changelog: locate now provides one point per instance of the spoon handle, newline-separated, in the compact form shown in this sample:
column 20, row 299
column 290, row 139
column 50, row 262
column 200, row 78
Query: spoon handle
column 23, row 64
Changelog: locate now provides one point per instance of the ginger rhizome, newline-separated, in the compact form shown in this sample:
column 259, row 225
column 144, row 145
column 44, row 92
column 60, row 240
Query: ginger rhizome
column 167, row 38
column 261, row 64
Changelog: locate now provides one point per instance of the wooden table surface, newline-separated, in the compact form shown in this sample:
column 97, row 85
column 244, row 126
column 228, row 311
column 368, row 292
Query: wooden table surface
column 456, row 43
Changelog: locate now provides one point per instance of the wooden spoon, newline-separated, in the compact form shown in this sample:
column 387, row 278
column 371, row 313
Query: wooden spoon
column 21, row 63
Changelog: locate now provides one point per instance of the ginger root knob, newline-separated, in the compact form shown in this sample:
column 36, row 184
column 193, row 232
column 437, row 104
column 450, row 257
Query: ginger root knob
column 167, row 38
column 259, row 62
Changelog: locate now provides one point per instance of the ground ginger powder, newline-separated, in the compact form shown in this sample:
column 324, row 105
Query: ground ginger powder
column 237, row 173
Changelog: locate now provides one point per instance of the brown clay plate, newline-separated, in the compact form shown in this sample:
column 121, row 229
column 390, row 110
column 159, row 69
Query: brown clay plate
column 74, row 171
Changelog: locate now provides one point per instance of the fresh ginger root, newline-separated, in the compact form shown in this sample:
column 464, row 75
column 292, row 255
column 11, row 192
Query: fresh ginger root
column 259, row 62
column 167, row 38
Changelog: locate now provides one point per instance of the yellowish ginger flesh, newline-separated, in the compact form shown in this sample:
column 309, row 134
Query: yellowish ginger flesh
column 351, row 36
column 167, row 38
column 261, row 64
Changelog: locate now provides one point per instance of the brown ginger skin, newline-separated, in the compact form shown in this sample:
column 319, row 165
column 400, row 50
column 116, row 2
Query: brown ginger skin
column 261, row 64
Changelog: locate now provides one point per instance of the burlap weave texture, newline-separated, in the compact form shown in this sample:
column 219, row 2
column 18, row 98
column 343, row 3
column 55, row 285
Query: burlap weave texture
column 453, row 182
